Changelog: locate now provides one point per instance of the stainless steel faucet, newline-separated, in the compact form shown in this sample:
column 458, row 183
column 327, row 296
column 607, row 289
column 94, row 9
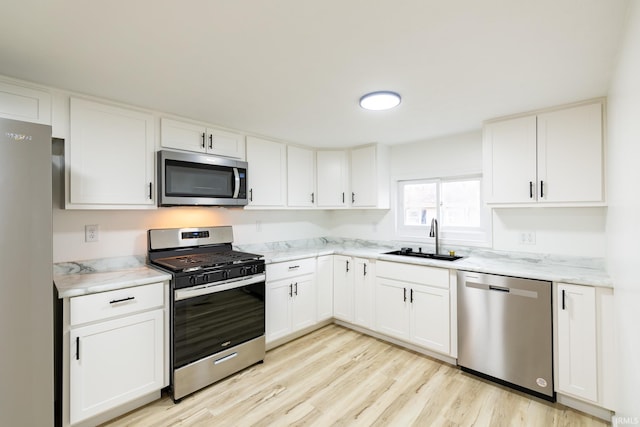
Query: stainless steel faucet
column 434, row 233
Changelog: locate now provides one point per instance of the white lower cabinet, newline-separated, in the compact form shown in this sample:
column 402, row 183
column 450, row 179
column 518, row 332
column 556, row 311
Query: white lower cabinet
column 343, row 287
column 116, row 349
column 415, row 309
column 353, row 290
column 291, row 298
column 324, row 287
column 363, row 292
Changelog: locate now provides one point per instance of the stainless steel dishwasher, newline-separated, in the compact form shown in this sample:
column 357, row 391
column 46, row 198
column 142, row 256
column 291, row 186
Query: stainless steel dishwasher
column 505, row 331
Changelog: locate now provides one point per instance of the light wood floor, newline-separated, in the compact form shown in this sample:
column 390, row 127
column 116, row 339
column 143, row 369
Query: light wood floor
column 338, row 377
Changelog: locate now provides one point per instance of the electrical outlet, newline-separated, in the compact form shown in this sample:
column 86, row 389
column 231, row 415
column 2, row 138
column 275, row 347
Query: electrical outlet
column 91, row 233
column 528, row 238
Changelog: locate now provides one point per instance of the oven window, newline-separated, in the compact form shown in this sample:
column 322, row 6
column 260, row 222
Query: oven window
column 185, row 179
column 207, row 324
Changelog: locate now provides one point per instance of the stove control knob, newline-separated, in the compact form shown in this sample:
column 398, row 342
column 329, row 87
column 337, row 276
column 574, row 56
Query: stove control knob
column 245, row 271
column 254, row 269
column 225, row 274
column 192, row 280
column 205, row 278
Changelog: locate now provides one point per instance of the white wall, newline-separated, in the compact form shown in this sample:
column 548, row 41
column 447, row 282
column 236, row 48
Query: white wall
column 124, row 232
column 565, row 231
column 623, row 222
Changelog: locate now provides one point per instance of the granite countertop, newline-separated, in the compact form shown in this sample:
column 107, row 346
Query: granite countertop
column 87, row 277
column 91, row 276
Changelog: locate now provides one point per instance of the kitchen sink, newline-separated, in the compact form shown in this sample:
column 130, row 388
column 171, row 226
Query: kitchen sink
column 410, row 253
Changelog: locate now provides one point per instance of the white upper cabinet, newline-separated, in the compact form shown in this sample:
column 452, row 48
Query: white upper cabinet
column 110, row 157
column 301, row 176
column 24, row 103
column 509, row 152
column 570, row 155
column 332, row 179
column 370, row 177
column 266, row 175
column 553, row 157
column 201, row 138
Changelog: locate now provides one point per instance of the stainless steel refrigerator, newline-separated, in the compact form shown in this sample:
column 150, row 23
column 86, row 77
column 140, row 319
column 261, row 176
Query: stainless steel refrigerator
column 26, row 295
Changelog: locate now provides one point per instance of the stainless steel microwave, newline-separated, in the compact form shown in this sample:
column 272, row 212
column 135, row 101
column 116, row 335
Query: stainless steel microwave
column 194, row 179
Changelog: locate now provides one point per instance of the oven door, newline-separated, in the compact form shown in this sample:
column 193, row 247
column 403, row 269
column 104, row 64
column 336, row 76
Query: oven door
column 210, row 318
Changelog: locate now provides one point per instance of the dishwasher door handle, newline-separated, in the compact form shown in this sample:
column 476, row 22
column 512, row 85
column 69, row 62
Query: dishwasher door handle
column 498, row 288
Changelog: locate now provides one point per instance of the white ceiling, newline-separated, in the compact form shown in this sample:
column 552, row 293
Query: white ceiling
column 295, row 69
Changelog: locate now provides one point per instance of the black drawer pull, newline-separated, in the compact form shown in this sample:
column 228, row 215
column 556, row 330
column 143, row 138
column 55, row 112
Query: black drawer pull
column 77, row 348
column 115, row 301
column 498, row 288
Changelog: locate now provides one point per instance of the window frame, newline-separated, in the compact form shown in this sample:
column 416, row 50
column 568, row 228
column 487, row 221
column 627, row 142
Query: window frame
column 469, row 236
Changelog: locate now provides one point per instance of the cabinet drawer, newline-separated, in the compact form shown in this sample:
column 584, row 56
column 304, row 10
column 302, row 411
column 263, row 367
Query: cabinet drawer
column 104, row 305
column 283, row 270
column 425, row 275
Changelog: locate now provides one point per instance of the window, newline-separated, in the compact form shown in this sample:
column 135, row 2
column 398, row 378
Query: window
column 455, row 202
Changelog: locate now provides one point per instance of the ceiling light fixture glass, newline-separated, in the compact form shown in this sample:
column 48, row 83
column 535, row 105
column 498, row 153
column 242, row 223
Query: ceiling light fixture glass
column 381, row 100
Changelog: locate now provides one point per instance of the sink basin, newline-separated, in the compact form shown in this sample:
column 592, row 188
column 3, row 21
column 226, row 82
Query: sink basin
column 424, row 255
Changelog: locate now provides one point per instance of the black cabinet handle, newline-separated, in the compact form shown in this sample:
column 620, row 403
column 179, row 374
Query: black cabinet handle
column 296, row 285
column 364, row 268
column 343, row 197
column 251, row 194
column 564, row 306
column 115, row 301
column 531, row 189
column 204, row 139
column 353, row 197
column 312, row 198
column 290, row 289
column 210, row 141
column 411, row 300
column 405, row 294
column 293, row 267
column 347, row 266
column 77, row 348
column 541, row 188
column 151, row 191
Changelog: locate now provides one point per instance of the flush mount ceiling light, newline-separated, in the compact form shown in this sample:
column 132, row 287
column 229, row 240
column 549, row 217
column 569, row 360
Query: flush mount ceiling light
column 382, row 100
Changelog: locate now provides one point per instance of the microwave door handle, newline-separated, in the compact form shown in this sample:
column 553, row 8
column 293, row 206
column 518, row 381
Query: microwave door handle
column 236, row 176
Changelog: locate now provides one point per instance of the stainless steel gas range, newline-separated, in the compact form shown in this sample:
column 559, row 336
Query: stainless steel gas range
column 217, row 304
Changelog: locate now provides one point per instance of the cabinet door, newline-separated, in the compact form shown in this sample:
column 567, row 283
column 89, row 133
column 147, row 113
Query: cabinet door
column 303, row 312
column 301, row 177
column 332, row 178
column 224, row 143
column 110, row 156
column 570, row 166
column 26, row 104
column 267, row 172
column 115, row 362
column 343, row 288
column 278, row 309
column 509, row 160
column 392, row 308
column 363, row 292
column 324, row 287
column 364, row 182
column 183, row 136
column 577, row 349
column 430, row 318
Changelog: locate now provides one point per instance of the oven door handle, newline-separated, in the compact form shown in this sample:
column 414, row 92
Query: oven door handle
column 212, row 288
